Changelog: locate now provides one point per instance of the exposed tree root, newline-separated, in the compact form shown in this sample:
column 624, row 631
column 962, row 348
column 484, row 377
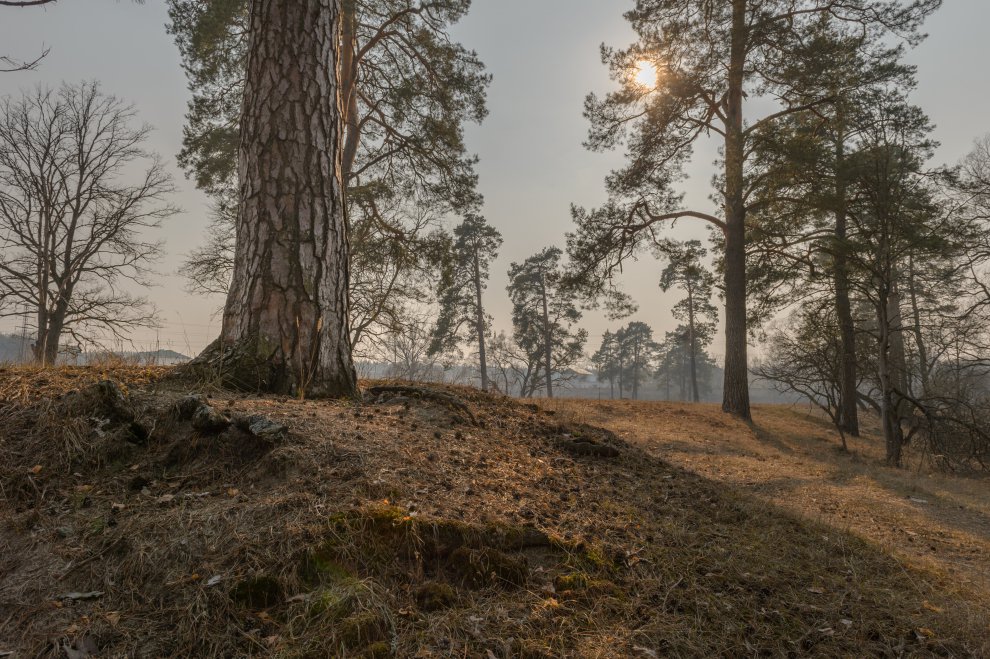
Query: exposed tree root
column 423, row 393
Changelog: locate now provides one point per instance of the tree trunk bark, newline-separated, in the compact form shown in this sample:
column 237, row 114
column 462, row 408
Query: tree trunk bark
column 919, row 338
column 898, row 359
column 38, row 347
column 735, row 397
column 285, row 325
column 348, row 86
column 44, row 261
column 51, row 324
column 480, row 323
column 888, row 414
column 53, row 336
column 848, row 389
column 622, row 368
column 547, row 344
column 635, row 391
column 693, row 343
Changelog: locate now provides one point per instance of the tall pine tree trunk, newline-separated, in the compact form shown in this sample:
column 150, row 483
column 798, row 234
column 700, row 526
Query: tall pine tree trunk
column 735, row 397
column 547, row 338
column 348, row 85
column 848, row 389
column 888, row 408
column 898, row 358
column 480, row 323
column 693, row 343
column 285, row 325
column 622, row 371
column 919, row 337
column 635, row 391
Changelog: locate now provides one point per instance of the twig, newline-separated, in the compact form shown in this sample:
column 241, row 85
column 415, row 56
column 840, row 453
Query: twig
column 91, row 558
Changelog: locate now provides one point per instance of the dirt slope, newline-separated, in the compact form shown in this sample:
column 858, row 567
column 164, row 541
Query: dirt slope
column 938, row 523
column 399, row 527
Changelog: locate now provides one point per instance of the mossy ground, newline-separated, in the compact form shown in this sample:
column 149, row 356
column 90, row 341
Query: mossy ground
column 385, row 530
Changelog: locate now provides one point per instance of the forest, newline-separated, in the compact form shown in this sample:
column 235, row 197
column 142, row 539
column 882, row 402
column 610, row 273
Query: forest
column 365, row 391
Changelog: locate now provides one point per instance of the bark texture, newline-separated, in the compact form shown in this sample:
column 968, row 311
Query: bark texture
column 848, row 386
column 693, row 343
column 898, row 358
column 480, row 322
column 547, row 338
column 735, row 397
column 919, row 336
column 285, row 326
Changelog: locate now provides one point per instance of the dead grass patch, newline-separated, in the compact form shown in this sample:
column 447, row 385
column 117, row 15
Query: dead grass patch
column 399, row 529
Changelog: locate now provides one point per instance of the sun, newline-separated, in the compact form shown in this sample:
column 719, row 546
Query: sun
column 645, row 74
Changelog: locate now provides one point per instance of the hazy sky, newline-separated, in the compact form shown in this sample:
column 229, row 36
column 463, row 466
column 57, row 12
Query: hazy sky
column 545, row 59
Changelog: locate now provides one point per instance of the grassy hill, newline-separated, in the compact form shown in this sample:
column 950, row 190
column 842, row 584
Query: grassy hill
column 412, row 526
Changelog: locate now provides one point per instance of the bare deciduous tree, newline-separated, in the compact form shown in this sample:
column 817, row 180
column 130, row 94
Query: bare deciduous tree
column 9, row 64
column 77, row 193
column 805, row 358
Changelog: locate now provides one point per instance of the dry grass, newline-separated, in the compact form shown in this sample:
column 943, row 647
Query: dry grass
column 789, row 457
column 382, row 529
column 21, row 385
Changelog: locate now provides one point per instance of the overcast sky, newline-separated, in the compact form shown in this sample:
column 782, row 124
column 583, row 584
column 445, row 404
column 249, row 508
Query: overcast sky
column 545, row 59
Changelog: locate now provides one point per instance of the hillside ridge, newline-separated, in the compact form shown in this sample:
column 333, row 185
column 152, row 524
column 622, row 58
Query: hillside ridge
column 394, row 526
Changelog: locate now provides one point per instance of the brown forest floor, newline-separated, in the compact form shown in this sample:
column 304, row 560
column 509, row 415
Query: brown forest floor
column 401, row 529
column 790, row 457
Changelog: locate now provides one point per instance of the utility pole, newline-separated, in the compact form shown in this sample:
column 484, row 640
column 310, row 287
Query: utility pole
column 24, row 329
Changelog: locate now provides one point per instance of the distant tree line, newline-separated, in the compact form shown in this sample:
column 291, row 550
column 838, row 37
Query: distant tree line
column 680, row 363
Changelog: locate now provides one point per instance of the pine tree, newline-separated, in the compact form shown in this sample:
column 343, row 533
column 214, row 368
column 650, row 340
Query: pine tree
column 673, row 366
column 544, row 315
column 606, row 360
column 687, row 272
column 799, row 184
column 407, row 89
column 895, row 218
column 710, row 57
column 285, row 324
column 475, row 246
column 638, row 349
